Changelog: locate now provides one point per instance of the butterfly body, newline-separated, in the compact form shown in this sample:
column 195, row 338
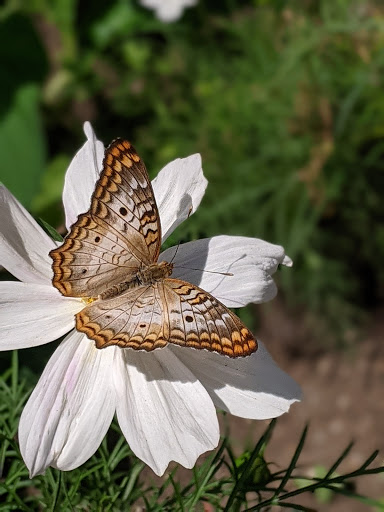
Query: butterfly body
column 147, row 275
column 111, row 255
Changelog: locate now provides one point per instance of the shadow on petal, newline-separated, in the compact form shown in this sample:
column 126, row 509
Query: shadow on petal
column 189, row 260
column 257, row 372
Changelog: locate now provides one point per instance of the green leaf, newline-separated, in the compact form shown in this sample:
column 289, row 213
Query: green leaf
column 47, row 203
column 292, row 464
column 22, row 145
column 50, row 230
column 120, row 19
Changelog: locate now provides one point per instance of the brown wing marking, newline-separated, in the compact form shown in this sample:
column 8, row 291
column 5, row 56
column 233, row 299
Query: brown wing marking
column 124, row 170
column 88, row 259
column 108, row 244
column 169, row 311
column 200, row 321
column 134, row 319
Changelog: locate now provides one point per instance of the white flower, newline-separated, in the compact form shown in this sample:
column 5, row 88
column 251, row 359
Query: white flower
column 164, row 400
column 168, row 10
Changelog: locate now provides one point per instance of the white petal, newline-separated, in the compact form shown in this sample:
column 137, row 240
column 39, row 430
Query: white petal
column 23, row 243
column 70, row 409
column 179, row 188
column 251, row 261
column 34, row 314
column 81, row 176
column 163, row 411
column 250, row 387
column 168, row 10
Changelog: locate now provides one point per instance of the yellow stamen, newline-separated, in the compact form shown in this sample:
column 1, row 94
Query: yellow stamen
column 88, row 300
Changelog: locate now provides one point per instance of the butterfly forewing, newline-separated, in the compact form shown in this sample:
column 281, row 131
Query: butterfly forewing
column 117, row 236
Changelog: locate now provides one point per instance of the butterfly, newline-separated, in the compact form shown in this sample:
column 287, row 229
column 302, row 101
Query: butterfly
column 110, row 258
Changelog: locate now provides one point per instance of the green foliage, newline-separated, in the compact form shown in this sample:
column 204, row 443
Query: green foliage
column 22, row 57
column 323, row 495
column 22, row 145
column 48, row 201
column 50, row 231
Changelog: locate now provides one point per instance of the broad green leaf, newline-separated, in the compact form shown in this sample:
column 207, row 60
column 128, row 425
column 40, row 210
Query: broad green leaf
column 22, row 145
column 47, row 203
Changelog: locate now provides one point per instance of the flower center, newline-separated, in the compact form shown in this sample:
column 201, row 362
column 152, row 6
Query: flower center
column 88, row 300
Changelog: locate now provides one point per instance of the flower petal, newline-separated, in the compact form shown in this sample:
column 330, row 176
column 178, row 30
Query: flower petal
column 163, row 411
column 24, row 244
column 81, row 176
column 251, row 261
column 250, row 387
column 34, row 314
column 179, row 188
column 168, row 11
column 71, row 408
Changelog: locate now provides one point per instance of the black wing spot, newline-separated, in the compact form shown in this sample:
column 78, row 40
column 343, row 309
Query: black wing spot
column 123, row 211
column 97, row 239
column 189, row 318
column 84, row 271
column 108, row 317
column 142, row 326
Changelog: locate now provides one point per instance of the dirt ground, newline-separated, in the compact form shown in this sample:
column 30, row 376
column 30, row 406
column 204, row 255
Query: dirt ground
column 343, row 402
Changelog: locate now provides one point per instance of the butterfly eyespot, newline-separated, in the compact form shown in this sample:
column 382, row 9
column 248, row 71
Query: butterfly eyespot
column 189, row 318
column 123, row 211
column 84, row 271
column 97, row 239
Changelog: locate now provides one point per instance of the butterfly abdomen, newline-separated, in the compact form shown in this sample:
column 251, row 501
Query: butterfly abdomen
column 118, row 289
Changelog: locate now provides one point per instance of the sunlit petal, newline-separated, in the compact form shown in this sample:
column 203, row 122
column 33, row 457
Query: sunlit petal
column 250, row 387
column 32, row 314
column 24, row 244
column 71, row 408
column 81, row 176
column 250, row 261
column 163, row 410
column 179, row 188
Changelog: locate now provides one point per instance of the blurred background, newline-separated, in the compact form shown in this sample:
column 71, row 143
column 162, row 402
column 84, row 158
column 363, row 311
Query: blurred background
column 284, row 101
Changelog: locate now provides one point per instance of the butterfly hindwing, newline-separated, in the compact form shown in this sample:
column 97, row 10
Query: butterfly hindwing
column 120, row 233
column 199, row 320
column 135, row 319
column 168, row 311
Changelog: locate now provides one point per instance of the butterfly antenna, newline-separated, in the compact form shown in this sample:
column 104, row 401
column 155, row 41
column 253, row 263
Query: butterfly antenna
column 198, row 269
column 209, row 271
column 178, row 245
column 174, row 256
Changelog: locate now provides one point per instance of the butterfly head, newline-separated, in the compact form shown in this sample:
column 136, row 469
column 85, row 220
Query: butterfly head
column 165, row 268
